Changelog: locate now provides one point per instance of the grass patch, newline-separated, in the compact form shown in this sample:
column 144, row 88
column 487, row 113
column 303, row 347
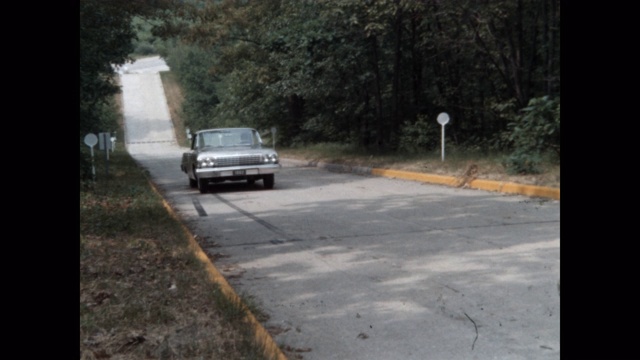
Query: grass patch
column 175, row 98
column 490, row 166
column 143, row 293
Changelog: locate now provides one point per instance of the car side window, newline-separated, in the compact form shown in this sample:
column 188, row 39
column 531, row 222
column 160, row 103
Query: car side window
column 201, row 142
column 257, row 141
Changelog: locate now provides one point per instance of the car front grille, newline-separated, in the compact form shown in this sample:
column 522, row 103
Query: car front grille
column 239, row 160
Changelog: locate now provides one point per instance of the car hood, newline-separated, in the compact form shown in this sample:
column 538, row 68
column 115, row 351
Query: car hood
column 234, row 151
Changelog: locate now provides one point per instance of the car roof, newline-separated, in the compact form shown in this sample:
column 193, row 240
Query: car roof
column 218, row 129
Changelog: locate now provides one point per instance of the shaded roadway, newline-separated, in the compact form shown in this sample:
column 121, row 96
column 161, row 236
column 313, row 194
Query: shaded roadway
column 353, row 267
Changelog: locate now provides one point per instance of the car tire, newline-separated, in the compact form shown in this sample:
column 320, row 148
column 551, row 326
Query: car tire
column 202, row 185
column 268, row 181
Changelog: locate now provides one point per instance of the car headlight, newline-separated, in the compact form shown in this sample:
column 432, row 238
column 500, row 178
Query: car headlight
column 206, row 162
column 270, row 158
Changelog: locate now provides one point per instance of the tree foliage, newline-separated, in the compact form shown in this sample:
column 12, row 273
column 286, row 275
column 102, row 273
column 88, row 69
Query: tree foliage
column 106, row 34
column 105, row 39
column 535, row 132
column 370, row 72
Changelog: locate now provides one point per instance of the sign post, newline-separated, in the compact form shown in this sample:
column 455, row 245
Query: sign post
column 91, row 140
column 443, row 119
column 105, row 144
column 273, row 133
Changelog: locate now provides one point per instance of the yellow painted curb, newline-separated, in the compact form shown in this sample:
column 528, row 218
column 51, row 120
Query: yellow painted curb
column 262, row 336
column 529, row 190
column 490, row 185
column 435, row 179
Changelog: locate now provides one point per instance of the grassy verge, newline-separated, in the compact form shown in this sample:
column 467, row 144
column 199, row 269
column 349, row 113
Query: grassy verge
column 456, row 163
column 143, row 292
column 174, row 95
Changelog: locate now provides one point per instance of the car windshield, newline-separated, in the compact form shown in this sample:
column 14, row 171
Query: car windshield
column 229, row 138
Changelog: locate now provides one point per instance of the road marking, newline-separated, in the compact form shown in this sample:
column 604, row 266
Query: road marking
column 274, row 229
column 198, row 206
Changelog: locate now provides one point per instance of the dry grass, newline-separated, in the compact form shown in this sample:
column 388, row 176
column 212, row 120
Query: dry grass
column 143, row 293
column 174, row 95
column 455, row 164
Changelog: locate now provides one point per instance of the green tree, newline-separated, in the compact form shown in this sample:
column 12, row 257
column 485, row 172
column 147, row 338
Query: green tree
column 105, row 40
column 371, row 72
column 534, row 133
column 106, row 34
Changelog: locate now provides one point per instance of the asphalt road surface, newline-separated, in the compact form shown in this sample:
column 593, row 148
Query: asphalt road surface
column 349, row 266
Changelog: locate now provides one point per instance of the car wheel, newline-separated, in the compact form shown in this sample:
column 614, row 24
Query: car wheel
column 268, row 181
column 202, row 185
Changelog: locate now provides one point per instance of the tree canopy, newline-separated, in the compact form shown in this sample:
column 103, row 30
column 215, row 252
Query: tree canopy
column 374, row 73
column 106, row 34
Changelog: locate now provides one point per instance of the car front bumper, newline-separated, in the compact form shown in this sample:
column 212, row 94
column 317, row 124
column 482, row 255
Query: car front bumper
column 237, row 171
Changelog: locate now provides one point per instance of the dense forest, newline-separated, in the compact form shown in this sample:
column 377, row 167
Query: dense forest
column 371, row 73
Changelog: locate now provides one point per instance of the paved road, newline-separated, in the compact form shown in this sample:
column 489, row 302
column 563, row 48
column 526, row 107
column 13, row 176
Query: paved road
column 359, row 267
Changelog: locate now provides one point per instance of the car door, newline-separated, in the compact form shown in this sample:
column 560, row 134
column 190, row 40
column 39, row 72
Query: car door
column 191, row 157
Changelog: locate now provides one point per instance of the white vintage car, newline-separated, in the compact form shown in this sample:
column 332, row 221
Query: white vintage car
column 229, row 154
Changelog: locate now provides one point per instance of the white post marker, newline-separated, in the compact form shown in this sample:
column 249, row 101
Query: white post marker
column 443, row 119
column 113, row 142
column 91, row 140
column 273, row 133
column 104, row 143
column 104, row 139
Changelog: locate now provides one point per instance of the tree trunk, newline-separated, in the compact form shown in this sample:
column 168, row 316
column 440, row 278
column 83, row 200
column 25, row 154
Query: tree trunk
column 397, row 71
column 416, row 58
column 377, row 93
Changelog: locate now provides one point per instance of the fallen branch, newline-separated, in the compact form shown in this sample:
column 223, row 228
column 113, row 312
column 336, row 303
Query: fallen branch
column 470, row 174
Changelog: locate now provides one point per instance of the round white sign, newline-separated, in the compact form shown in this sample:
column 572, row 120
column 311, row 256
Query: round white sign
column 91, row 140
column 443, row 118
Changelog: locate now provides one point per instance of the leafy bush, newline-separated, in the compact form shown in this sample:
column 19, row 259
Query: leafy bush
column 419, row 137
column 522, row 162
column 144, row 41
column 104, row 118
column 145, row 49
column 192, row 66
column 85, row 167
column 535, row 132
